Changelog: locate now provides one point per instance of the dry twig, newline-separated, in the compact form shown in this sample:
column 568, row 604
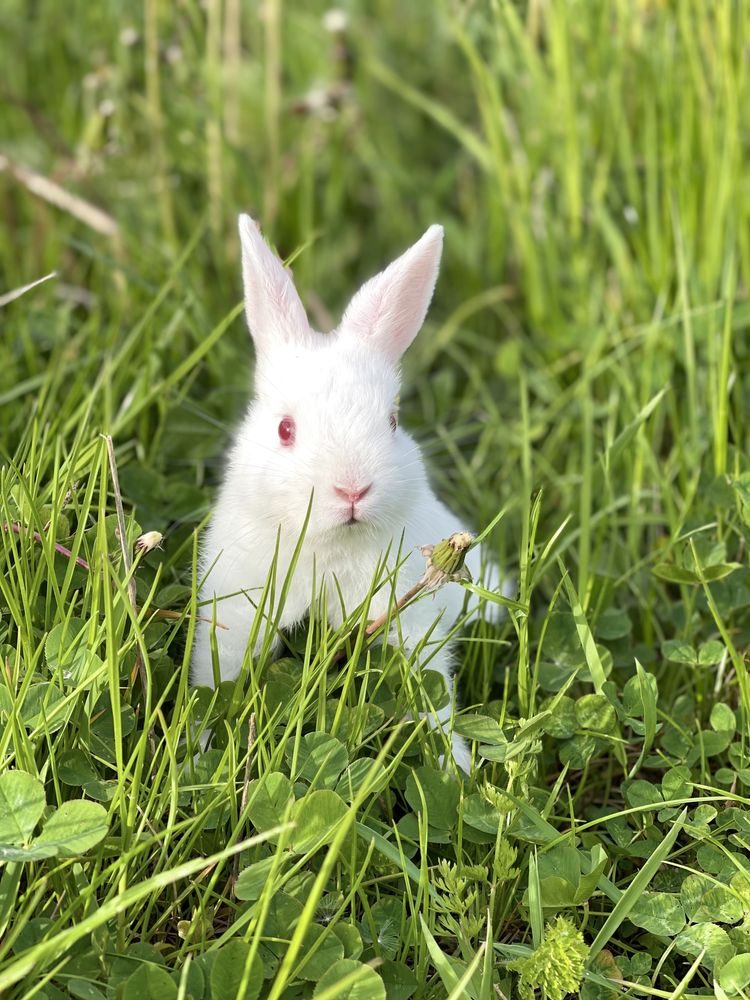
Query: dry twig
column 51, row 192
column 16, row 293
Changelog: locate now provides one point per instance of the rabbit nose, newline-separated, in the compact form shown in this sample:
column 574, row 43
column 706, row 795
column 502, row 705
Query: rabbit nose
column 352, row 495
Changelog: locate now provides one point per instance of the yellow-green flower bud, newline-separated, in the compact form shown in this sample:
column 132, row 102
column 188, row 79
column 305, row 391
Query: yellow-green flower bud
column 445, row 561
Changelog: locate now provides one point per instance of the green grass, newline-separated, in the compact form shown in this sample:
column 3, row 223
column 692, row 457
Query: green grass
column 584, row 367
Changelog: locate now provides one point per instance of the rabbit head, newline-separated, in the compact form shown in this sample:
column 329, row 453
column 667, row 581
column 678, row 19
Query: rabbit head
column 324, row 419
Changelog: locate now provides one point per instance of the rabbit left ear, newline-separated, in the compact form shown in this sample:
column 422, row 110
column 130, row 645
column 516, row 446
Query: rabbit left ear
column 274, row 311
column 388, row 311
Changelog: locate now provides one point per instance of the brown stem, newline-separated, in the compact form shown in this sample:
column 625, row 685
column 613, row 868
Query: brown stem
column 378, row 622
column 17, row 529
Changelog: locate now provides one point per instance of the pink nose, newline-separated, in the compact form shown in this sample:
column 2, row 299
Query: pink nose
column 352, row 496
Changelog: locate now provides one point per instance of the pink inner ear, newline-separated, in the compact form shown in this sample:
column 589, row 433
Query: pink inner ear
column 273, row 308
column 390, row 308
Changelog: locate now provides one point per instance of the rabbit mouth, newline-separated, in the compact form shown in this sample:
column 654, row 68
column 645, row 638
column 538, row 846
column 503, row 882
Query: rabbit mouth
column 355, row 519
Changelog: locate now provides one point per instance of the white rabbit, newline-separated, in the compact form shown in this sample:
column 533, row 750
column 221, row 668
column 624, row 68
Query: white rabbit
column 324, row 423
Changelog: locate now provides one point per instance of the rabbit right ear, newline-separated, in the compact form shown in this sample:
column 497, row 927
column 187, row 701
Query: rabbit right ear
column 390, row 308
column 274, row 311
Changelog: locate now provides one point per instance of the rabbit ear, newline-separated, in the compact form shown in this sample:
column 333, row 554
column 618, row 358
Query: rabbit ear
column 272, row 306
column 390, row 308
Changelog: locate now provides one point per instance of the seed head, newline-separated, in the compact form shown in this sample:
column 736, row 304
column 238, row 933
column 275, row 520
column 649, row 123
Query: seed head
column 148, row 541
column 335, row 20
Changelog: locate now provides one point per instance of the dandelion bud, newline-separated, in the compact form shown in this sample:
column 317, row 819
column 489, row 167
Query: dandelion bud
column 445, row 561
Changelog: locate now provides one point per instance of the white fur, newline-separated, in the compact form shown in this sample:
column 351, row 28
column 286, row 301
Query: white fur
column 340, row 389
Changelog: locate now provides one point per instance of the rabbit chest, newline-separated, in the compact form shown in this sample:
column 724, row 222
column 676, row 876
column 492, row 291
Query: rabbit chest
column 343, row 577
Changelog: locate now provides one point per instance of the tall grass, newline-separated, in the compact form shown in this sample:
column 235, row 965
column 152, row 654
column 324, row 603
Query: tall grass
column 584, row 366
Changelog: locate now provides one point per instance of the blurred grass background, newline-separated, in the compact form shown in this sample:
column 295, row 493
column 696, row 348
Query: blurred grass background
column 586, row 160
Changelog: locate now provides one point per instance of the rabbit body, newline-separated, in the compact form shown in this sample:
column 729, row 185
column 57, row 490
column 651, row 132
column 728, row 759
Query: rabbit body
column 321, row 441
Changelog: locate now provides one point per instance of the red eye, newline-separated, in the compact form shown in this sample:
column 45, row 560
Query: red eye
column 286, row 431
column 394, row 421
